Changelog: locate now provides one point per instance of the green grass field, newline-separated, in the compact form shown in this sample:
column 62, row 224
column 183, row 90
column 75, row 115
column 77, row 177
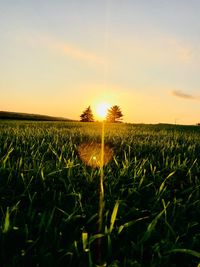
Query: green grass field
column 49, row 197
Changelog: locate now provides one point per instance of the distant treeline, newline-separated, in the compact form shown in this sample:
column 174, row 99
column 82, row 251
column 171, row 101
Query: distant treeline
column 6, row 115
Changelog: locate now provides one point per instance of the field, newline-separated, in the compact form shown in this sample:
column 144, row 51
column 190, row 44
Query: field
column 49, row 198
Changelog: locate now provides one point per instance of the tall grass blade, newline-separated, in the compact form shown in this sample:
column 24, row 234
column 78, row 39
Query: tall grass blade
column 6, row 221
column 152, row 225
column 85, row 241
column 7, row 156
column 130, row 223
column 163, row 183
column 186, row 251
column 113, row 216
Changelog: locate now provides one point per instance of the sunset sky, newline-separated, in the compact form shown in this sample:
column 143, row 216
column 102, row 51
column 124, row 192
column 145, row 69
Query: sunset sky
column 58, row 57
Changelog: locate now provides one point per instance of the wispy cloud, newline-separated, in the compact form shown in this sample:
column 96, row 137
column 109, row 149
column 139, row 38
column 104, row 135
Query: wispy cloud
column 181, row 94
column 183, row 51
column 75, row 52
column 65, row 48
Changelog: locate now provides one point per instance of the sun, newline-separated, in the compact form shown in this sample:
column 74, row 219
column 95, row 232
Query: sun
column 102, row 109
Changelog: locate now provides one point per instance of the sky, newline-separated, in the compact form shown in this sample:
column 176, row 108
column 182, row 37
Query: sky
column 59, row 57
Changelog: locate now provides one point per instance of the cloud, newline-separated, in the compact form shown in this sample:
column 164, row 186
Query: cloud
column 183, row 51
column 77, row 53
column 179, row 93
column 62, row 47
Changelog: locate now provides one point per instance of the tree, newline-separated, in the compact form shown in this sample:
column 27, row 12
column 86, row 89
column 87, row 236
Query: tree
column 87, row 115
column 114, row 114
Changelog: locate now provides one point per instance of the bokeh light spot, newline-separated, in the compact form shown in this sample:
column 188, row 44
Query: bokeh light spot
column 90, row 154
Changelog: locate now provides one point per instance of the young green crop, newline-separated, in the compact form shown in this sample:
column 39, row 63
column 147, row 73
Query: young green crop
column 49, row 197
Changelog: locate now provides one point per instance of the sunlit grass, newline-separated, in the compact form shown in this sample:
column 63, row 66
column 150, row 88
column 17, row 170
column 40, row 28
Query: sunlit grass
column 49, row 197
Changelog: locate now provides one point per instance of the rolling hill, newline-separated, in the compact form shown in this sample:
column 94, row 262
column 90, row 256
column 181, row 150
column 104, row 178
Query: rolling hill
column 7, row 115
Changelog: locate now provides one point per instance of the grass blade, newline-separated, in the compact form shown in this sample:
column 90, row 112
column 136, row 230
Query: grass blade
column 6, row 221
column 152, row 225
column 186, row 251
column 113, row 216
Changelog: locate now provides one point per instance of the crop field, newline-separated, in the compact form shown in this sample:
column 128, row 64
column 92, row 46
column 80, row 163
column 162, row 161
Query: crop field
column 49, row 195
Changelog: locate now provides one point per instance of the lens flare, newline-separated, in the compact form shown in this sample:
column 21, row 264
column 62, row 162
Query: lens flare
column 90, row 154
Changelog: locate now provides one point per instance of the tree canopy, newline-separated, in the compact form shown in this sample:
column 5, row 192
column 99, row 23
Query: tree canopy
column 114, row 114
column 87, row 115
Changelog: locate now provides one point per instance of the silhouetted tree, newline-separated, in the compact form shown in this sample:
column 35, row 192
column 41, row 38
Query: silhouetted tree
column 87, row 115
column 114, row 114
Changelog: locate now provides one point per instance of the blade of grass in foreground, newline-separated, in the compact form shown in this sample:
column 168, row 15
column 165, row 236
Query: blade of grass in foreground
column 152, row 225
column 6, row 221
column 113, row 216
column 186, row 251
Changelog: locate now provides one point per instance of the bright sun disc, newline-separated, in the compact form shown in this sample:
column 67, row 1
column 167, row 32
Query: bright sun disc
column 102, row 109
